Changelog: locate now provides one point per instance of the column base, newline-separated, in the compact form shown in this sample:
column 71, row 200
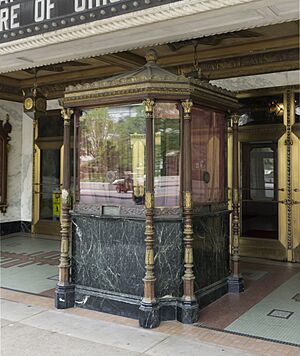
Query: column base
column 236, row 284
column 149, row 316
column 187, row 312
column 64, row 296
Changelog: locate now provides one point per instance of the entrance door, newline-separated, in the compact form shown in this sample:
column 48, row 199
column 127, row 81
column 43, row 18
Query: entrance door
column 48, row 174
column 259, row 208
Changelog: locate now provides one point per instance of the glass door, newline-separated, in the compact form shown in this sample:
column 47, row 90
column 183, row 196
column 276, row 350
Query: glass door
column 259, row 208
column 50, row 184
column 47, row 190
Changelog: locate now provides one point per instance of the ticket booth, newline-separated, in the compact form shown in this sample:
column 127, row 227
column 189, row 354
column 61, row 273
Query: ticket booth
column 150, row 220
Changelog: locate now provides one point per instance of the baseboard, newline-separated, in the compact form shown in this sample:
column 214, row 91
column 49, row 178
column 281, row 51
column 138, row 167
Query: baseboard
column 128, row 305
column 13, row 227
column 214, row 291
column 121, row 304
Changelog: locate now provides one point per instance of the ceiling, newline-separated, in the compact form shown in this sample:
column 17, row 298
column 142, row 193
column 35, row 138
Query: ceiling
column 248, row 52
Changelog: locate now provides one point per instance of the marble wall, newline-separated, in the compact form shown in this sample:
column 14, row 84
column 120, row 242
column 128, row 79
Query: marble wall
column 211, row 254
column 26, row 170
column 19, row 164
column 108, row 261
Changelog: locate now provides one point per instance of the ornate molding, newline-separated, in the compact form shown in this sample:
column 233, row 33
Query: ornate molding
column 156, row 15
column 227, row 67
column 130, row 20
column 251, row 60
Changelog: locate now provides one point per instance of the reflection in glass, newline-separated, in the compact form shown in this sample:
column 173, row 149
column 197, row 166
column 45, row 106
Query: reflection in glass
column 297, row 107
column 50, row 181
column 167, row 154
column 208, row 134
column 112, row 155
column 262, row 173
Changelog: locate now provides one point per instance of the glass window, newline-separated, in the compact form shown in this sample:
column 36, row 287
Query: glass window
column 297, row 107
column 167, row 154
column 262, row 173
column 208, row 134
column 112, row 155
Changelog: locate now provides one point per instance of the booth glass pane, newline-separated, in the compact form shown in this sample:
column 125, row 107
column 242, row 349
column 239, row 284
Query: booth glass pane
column 208, row 158
column 167, row 154
column 112, row 155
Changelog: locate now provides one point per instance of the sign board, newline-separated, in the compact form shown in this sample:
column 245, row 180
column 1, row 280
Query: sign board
column 56, row 201
column 25, row 18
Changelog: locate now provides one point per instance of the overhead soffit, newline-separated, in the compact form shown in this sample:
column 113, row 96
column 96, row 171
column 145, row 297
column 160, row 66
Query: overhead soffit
column 252, row 82
column 149, row 27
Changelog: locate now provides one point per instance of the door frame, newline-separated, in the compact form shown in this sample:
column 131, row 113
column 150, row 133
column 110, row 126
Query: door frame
column 43, row 226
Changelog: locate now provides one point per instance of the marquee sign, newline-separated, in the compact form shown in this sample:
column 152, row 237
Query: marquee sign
column 24, row 18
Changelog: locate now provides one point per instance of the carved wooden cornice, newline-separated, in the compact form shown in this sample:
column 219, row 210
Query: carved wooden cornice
column 227, row 67
column 149, row 81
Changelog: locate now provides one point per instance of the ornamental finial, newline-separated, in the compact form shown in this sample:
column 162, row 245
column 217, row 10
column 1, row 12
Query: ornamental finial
column 151, row 56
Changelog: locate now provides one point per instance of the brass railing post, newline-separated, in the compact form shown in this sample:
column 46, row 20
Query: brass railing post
column 188, row 308
column 64, row 289
column 149, row 309
column 235, row 280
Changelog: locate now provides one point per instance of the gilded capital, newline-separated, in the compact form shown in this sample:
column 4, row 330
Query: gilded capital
column 148, row 105
column 235, row 119
column 187, row 106
column 66, row 114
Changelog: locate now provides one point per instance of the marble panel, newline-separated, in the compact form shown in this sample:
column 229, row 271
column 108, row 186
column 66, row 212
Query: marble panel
column 109, row 254
column 211, row 251
column 168, row 258
column 26, row 181
column 15, row 111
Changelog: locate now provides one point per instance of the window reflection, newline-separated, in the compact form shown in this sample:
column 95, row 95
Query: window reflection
column 208, row 132
column 262, row 173
column 112, row 155
column 167, row 154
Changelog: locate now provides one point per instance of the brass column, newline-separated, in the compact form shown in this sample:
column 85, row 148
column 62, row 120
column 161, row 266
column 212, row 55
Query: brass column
column 64, row 290
column 289, row 186
column 33, row 221
column 235, row 280
column 188, row 308
column 149, row 310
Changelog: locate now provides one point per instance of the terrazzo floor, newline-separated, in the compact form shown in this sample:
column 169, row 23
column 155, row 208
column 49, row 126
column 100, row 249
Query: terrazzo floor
column 275, row 317
column 29, row 264
column 268, row 309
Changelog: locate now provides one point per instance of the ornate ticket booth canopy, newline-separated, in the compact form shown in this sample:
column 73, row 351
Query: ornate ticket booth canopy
column 150, row 219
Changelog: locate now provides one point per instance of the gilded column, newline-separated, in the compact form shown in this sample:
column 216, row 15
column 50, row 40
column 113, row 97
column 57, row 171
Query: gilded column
column 64, row 289
column 235, row 280
column 34, row 189
column 149, row 310
column 188, row 308
column 289, row 201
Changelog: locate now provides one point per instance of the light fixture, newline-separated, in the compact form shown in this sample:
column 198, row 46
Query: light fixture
column 35, row 102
